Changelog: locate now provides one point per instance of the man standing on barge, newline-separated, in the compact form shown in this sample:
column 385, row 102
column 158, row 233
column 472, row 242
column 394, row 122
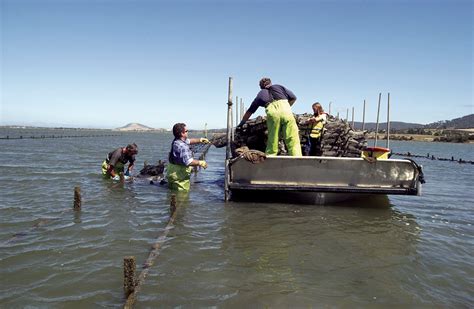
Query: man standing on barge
column 277, row 101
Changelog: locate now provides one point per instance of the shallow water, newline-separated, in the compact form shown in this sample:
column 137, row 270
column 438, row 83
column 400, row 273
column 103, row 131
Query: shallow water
column 400, row 250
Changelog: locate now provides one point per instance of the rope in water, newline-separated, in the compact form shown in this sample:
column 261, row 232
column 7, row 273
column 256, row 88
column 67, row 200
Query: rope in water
column 432, row 157
column 155, row 251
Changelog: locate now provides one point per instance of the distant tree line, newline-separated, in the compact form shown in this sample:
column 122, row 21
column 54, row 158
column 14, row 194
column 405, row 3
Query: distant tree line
column 453, row 136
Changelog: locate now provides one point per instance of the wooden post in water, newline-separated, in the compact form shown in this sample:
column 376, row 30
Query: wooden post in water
column 77, row 198
column 388, row 121
column 363, row 118
column 129, row 278
column 353, row 118
column 229, row 141
column 377, row 125
column 172, row 204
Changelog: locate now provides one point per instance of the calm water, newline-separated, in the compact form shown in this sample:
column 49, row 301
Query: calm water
column 386, row 251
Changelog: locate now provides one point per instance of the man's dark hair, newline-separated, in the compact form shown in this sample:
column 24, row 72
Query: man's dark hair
column 132, row 148
column 178, row 129
column 265, row 83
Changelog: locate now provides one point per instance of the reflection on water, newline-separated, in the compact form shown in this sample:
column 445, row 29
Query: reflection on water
column 271, row 251
column 284, row 255
column 311, row 198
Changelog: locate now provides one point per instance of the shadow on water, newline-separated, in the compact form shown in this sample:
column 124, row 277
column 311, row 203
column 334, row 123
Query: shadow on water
column 284, row 254
column 40, row 223
column 312, row 198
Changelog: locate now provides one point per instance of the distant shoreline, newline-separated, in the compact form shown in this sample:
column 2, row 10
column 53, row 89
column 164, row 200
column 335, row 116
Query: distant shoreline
column 371, row 135
column 416, row 138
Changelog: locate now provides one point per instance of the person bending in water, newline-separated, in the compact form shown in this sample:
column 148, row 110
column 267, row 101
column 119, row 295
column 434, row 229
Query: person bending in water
column 114, row 163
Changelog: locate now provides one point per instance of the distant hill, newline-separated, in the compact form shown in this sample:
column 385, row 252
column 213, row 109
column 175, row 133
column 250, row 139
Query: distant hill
column 134, row 127
column 466, row 122
column 394, row 125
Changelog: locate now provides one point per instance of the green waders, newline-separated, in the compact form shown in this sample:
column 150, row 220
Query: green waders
column 117, row 168
column 280, row 117
column 178, row 177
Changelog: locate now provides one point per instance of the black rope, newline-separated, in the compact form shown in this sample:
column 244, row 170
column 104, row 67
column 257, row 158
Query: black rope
column 432, row 157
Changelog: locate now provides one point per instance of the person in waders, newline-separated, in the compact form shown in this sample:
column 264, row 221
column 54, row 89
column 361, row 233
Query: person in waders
column 115, row 161
column 317, row 122
column 181, row 158
column 277, row 101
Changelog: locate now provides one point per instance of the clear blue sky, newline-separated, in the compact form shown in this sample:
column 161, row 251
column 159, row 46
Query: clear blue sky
column 107, row 63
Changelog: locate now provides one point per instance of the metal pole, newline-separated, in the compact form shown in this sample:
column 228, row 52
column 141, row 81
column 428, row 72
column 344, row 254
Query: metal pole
column 241, row 109
column 229, row 141
column 347, row 114
column 363, row 118
column 388, row 121
column 205, row 130
column 231, row 123
column 236, row 111
column 329, row 108
column 229, row 120
column 377, row 126
column 352, row 117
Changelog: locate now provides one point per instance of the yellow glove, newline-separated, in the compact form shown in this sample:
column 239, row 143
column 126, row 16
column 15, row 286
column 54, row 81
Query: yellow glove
column 204, row 140
column 202, row 163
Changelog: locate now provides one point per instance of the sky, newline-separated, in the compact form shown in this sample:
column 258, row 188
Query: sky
column 106, row 63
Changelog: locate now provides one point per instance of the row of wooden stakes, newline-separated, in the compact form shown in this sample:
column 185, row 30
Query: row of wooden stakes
column 432, row 157
column 55, row 136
